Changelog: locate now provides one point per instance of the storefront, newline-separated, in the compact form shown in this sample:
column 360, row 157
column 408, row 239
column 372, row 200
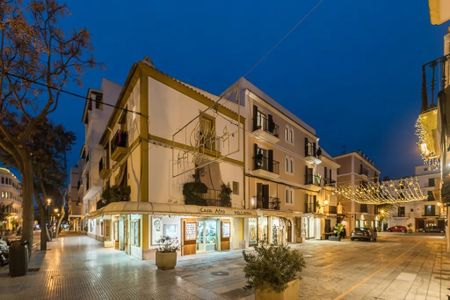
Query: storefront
column 311, row 227
column 198, row 229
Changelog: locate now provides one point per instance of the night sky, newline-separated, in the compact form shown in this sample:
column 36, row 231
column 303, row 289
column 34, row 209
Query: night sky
column 351, row 70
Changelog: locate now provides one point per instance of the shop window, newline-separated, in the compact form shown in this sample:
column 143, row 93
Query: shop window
column 252, row 231
column 135, row 233
column 235, row 187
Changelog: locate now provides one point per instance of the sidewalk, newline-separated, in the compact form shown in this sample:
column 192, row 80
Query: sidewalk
column 78, row 267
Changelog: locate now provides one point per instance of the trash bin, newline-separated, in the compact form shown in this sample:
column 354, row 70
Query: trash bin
column 18, row 258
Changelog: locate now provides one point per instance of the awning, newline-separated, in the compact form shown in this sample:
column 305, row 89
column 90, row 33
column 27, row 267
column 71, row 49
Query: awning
column 133, row 207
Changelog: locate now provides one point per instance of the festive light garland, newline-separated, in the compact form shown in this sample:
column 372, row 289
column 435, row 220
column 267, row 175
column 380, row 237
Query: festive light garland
column 424, row 125
column 385, row 192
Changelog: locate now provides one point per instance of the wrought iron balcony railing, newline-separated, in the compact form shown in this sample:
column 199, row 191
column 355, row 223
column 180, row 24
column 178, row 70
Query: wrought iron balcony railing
column 435, row 78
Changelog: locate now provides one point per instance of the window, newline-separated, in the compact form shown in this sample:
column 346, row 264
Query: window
column 430, row 196
column 429, row 210
column 235, row 187
column 3, row 180
column 363, row 208
column 289, row 164
column 401, row 211
column 289, row 196
column 430, row 181
column 289, row 134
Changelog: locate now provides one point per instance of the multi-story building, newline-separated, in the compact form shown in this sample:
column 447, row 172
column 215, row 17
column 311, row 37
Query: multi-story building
column 356, row 169
column 10, row 201
column 290, row 179
column 423, row 215
column 96, row 114
column 75, row 200
column 173, row 166
column 214, row 175
column 432, row 126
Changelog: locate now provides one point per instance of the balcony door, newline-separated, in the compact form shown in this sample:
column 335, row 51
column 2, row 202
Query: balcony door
column 262, row 195
column 207, row 132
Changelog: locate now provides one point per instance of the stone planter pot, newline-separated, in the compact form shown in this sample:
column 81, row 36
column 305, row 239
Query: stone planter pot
column 166, row 260
column 291, row 292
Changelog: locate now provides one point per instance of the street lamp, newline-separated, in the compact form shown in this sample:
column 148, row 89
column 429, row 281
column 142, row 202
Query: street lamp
column 49, row 201
column 56, row 210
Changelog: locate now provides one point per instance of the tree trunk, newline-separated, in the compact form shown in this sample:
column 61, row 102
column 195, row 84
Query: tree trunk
column 27, row 204
column 58, row 226
column 43, row 219
column 42, row 222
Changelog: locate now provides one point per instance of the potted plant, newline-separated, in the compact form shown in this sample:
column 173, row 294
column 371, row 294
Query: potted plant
column 225, row 196
column 166, row 254
column 273, row 271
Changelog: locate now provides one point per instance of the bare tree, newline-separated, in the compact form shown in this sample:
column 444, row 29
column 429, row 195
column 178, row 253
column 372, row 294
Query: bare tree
column 34, row 49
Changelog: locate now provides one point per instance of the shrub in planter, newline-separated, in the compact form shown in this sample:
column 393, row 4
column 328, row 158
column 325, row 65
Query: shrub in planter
column 225, row 196
column 273, row 271
column 116, row 193
column 166, row 254
column 192, row 191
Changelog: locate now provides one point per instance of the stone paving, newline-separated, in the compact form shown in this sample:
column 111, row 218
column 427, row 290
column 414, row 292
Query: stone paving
column 398, row 266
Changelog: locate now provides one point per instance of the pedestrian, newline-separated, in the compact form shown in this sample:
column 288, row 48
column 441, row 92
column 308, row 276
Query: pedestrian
column 343, row 233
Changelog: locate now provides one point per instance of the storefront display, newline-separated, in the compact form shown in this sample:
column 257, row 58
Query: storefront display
column 263, row 234
column 225, row 230
column 252, row 231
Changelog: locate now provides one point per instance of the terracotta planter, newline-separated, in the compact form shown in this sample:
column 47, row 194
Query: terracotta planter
column 291, row 292
column 166, row 260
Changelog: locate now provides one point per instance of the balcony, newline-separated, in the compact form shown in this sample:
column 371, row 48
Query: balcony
column 332, row 210
column 103, row 171
column 312, row 155
column 265, row 167
column 197, row 193
column 435, row 91
column 266, row 129
column 272, row 203
column 329, row 184
column 119, row 145
column 310, row 208
column 313, row 182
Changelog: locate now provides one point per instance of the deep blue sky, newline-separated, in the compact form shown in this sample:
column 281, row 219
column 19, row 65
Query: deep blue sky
column 351, row 70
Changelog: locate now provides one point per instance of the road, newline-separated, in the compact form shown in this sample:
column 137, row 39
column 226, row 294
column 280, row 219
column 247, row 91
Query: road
column 398, row 266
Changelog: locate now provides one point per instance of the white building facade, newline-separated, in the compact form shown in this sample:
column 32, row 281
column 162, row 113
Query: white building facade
column 10, row 201
column 428, row 215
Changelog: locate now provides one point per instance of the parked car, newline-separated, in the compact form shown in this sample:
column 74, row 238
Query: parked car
column 434, row 229
column 398, row 229
column 363, row 234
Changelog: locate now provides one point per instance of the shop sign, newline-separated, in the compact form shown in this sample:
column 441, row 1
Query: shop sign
column 216, row 211
column 221, row 211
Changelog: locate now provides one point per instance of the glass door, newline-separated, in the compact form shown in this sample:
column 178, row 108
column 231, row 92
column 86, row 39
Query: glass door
column 207, row 235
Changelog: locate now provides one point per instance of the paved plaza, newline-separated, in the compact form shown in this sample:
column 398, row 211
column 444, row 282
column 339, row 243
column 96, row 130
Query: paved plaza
column 398, row 266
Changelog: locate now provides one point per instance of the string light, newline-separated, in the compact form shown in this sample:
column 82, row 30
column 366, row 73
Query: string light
column 426, row 122
column 385, row 192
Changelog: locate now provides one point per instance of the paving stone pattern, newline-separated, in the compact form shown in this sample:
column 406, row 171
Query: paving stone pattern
column 398, row 266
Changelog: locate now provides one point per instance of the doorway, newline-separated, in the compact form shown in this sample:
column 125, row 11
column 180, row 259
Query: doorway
column 207, row 236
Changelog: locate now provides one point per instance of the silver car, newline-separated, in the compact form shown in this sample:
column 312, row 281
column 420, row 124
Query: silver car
column 364, row 234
